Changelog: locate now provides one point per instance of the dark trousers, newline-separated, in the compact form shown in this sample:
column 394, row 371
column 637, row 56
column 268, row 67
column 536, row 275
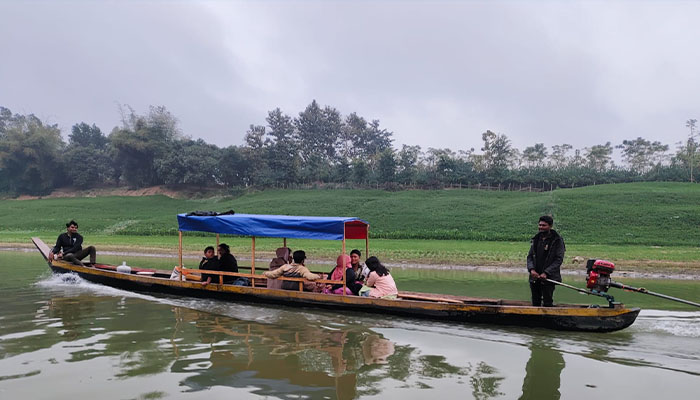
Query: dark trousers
column 76, row 257
column 542, row 294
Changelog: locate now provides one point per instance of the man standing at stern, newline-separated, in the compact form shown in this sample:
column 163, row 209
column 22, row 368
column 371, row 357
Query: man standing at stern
column 543, row 262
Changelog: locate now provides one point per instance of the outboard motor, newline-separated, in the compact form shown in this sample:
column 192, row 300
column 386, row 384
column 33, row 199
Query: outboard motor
column 598, row 282
column 598, row 275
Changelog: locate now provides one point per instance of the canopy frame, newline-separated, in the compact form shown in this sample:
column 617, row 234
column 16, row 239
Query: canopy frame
column 278, row 226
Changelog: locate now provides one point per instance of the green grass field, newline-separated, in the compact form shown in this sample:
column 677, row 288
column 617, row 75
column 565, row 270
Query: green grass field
column 645, row 223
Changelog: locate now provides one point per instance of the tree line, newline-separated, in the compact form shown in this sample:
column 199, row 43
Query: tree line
column 318, row 146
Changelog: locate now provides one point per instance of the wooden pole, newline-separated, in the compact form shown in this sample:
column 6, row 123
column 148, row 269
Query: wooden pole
column 179, row 251
column 366, row 241
column 366, row 245
column 343, row 262
column 217, row 244
column 285, row 242
column 252, row 265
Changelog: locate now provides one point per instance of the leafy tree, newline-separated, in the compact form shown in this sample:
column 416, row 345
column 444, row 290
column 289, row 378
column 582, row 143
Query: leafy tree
column 235, row 167
column 641, row 154
column 387, row 166
column 84, row 135
column 315, row 169
column 342, row 171
column 672, row 173
column 282, row 148
column 190, row 162
column 255, row 153
column 407, row 164
column 559, row 156
column 534, row 155
column 140, row 141
column 255, row 137
column 5, row 119
column 353, row 137
column 87, row 156
column 360, row 171
column 377, row 139
column 599, row 156
column 497, row 154
column 319, row 131
column 444, row 163
column 30, row 154
column 359, row 138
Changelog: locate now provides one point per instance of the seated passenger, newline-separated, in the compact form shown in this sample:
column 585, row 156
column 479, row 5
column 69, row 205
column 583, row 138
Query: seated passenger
column 69, row 247
column 380, row 283
column 209, row 262
column 282, row 257
column 351, row 286
column 295, row 270
column 228, row 263
column 361, row 270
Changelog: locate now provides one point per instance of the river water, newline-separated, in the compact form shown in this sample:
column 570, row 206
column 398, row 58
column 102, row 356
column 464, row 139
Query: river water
column 62, row 337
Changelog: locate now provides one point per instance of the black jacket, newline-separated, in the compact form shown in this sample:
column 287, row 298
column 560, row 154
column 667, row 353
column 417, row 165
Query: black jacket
column 228, row 263
column 68, row 244
column 555, row 255
column 350, row 281
column 211, row 264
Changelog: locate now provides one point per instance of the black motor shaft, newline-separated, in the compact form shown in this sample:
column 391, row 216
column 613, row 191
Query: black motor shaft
column 644, row 291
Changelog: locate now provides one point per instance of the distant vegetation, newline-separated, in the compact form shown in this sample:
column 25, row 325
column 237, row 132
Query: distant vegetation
column 317, row 147
column 642, row 213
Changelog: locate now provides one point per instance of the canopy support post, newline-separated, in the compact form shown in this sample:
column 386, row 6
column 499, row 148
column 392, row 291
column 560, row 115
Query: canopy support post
column 285, row 242
column 343, row 262
column 179, row 250
column 252, row 265
column 217, row 244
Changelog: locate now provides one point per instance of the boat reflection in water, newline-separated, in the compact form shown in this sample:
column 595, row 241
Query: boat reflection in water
column 147, row 347
column 314, row 360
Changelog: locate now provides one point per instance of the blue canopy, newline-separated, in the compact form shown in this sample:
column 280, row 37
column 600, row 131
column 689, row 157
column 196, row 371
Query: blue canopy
column 280, row 226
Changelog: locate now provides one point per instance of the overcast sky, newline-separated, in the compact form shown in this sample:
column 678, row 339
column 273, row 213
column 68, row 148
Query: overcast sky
column 437, row 74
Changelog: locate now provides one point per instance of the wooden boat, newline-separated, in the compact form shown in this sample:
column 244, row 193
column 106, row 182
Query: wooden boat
column 571, row 317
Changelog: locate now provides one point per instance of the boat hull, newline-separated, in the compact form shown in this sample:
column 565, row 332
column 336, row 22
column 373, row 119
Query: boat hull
column 567, row 318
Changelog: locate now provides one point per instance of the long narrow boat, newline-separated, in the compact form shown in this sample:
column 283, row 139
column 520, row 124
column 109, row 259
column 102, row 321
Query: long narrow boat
column 571, row 317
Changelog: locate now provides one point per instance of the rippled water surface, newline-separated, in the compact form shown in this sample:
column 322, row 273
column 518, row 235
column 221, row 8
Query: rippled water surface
column 62, row 337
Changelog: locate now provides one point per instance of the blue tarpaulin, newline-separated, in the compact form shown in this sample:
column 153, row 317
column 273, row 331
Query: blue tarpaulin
column 280, row 226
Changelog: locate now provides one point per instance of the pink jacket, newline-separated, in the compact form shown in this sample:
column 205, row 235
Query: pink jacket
column 381, row 285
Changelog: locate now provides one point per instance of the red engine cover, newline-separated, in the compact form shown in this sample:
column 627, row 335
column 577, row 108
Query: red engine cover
column 603, row 267
column 592, row 281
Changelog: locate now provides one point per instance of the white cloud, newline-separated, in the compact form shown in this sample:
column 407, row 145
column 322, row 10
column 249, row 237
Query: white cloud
column 437, row 74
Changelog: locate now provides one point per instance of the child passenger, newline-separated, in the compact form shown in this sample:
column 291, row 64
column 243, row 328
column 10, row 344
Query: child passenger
column 209, row 262
column 380, row 283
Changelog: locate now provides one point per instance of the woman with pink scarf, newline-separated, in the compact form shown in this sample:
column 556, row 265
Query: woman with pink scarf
column 343, row 265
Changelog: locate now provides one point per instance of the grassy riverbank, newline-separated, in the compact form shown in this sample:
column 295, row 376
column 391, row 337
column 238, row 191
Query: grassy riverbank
column 639, row 226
